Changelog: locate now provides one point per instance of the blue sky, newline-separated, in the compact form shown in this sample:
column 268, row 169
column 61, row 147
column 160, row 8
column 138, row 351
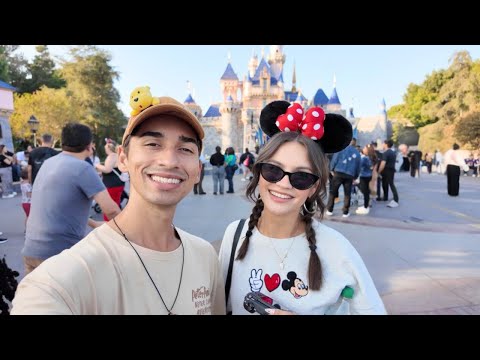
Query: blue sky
column 365, row 73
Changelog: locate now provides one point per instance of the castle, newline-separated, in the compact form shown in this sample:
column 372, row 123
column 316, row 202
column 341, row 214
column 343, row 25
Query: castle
column 235, row 121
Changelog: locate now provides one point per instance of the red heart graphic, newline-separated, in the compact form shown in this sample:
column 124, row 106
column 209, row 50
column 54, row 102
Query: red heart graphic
column 272, row 282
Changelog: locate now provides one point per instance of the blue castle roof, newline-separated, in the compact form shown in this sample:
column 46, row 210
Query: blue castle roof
column 229, row 74
column 213, row 111
column 291, row 96
column 4, row 85
column 320, row 98
column 256, row 78
column 189, row 100
column 300, row 97
column 229, row 98
column 334, row 100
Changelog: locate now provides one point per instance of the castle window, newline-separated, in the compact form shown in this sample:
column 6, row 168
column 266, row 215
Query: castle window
column 265, row 85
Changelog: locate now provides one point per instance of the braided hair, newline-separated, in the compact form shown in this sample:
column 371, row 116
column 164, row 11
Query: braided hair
column 319, row 165
column 8, row 286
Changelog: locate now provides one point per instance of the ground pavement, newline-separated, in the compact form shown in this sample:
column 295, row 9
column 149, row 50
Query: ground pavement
column 424, row 256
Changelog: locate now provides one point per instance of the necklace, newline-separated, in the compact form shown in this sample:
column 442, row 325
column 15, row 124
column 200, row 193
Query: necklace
column 155, row 286
column 282, row 259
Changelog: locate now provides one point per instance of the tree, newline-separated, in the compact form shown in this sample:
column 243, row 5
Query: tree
column 52, row 107
column 16, row 66
column 467, row 129
column 90, row 83
column 42, row 72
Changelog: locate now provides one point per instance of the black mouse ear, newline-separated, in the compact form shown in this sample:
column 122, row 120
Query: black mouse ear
column 338, row 134
column 269, row 116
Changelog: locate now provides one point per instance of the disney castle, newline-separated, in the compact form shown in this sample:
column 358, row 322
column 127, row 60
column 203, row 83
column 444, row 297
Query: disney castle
column 235, row 121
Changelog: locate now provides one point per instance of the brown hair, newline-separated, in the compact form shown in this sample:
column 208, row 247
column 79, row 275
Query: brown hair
column 319, row 163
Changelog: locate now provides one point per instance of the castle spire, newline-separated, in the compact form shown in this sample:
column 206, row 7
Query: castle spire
column 263, row 52
column 294, row 79
column 229, row 57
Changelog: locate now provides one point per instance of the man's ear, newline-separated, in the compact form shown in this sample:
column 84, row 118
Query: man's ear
column 122, row 159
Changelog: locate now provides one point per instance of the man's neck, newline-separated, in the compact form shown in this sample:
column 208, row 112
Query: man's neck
column 81, row 155
column 147, row 225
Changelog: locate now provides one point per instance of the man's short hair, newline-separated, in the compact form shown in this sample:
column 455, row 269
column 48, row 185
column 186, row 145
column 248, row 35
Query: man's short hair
column 76, row 137
column 47, row 138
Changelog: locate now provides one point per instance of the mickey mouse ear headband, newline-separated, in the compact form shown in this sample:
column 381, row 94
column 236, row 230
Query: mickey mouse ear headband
column 331, row 131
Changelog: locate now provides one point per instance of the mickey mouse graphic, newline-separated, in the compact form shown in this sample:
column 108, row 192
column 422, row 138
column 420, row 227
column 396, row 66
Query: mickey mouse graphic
column 295, row 285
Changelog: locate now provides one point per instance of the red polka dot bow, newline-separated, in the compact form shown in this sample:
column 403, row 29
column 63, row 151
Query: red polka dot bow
column 309, row 124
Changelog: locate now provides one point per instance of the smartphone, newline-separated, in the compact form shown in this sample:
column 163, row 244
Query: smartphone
column 254, row 302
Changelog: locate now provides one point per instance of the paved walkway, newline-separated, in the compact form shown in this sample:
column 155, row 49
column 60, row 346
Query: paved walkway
column 424, row 256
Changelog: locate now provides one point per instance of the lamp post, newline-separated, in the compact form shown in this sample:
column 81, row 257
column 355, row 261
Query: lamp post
column 34, row 123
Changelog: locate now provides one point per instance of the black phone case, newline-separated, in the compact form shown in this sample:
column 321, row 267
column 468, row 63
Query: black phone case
column 253, row 303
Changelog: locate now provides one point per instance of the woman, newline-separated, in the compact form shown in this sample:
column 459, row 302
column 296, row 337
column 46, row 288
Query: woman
column 367, row 164
column 111, row 173
column 230, row 168
column 288, row 186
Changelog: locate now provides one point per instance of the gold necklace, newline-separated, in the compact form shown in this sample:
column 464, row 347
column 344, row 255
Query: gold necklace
column 282, row 259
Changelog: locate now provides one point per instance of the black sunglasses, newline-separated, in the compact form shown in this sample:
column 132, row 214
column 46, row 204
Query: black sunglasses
column 299, row 180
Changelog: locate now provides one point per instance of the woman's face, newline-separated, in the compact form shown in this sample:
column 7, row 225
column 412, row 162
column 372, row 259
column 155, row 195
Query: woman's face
column 282, row 198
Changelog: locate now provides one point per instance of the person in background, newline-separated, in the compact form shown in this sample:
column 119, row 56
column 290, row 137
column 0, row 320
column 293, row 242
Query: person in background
column 300, row 265
column 62, row 197
column 230, row 168
column 387, row 170
column 367, row 163
column 39, row 155
column 26, row 188
column 6, row 162
column 217, row 161
column 454, row 161
column 111, row 173
column 198, row 188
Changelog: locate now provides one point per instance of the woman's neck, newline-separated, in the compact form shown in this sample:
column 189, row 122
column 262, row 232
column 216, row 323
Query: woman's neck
column 280, row 227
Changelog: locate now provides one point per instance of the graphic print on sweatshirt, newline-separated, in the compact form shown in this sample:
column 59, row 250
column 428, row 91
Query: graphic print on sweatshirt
column 294, row 285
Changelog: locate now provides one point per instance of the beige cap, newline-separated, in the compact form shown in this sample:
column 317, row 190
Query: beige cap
column 168, row 106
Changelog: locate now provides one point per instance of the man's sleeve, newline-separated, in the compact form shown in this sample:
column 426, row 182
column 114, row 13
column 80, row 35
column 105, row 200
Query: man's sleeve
column 89, row 181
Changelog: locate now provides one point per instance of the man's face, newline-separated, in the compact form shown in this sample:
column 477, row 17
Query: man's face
column 163, row 160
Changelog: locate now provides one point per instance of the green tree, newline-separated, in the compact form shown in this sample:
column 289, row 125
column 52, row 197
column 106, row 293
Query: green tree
column 52, row 108
column 467, row 129
column 16, row 66
column 42, row 72
column 90, row 83
column 3, row 65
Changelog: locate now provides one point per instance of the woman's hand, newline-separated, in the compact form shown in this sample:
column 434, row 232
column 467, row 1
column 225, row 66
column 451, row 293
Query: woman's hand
column 279, row 312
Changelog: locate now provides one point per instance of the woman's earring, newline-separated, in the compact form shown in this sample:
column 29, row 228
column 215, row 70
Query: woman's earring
column 314, row 207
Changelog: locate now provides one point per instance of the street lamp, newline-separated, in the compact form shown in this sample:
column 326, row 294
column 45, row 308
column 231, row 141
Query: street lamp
column 34, row 123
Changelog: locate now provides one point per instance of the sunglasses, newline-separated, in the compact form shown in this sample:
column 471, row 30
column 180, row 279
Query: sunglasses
column 299, row 180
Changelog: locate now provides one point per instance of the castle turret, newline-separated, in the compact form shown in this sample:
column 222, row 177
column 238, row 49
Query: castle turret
column 276, row 59
column 229, row 83
column 252, row 64
column 6, row 110
column 334, row 103
column 294, row 79
column 193, row 106
column 230, row 112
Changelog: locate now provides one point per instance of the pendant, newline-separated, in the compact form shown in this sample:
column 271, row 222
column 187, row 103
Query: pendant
column 282, row 265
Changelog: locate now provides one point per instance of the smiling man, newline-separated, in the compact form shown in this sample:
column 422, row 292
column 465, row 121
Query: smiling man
column 139, row 262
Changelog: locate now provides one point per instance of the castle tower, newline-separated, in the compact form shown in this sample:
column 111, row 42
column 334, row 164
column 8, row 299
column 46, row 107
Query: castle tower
column 231, row 136
column 192, row 106
column 294, row 79
column 276, row 59
column 229, row 83
column 334, row 103
column 252, row 64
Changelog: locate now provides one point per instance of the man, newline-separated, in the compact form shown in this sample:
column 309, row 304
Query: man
column 387, row 170
column 345, row 167
column 61, row 199
column 39, row 155
column 198, row 187
column 217, row 161
column 138, row 263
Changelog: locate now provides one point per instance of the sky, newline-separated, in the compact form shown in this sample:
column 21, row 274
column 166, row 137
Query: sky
column 365, row 74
